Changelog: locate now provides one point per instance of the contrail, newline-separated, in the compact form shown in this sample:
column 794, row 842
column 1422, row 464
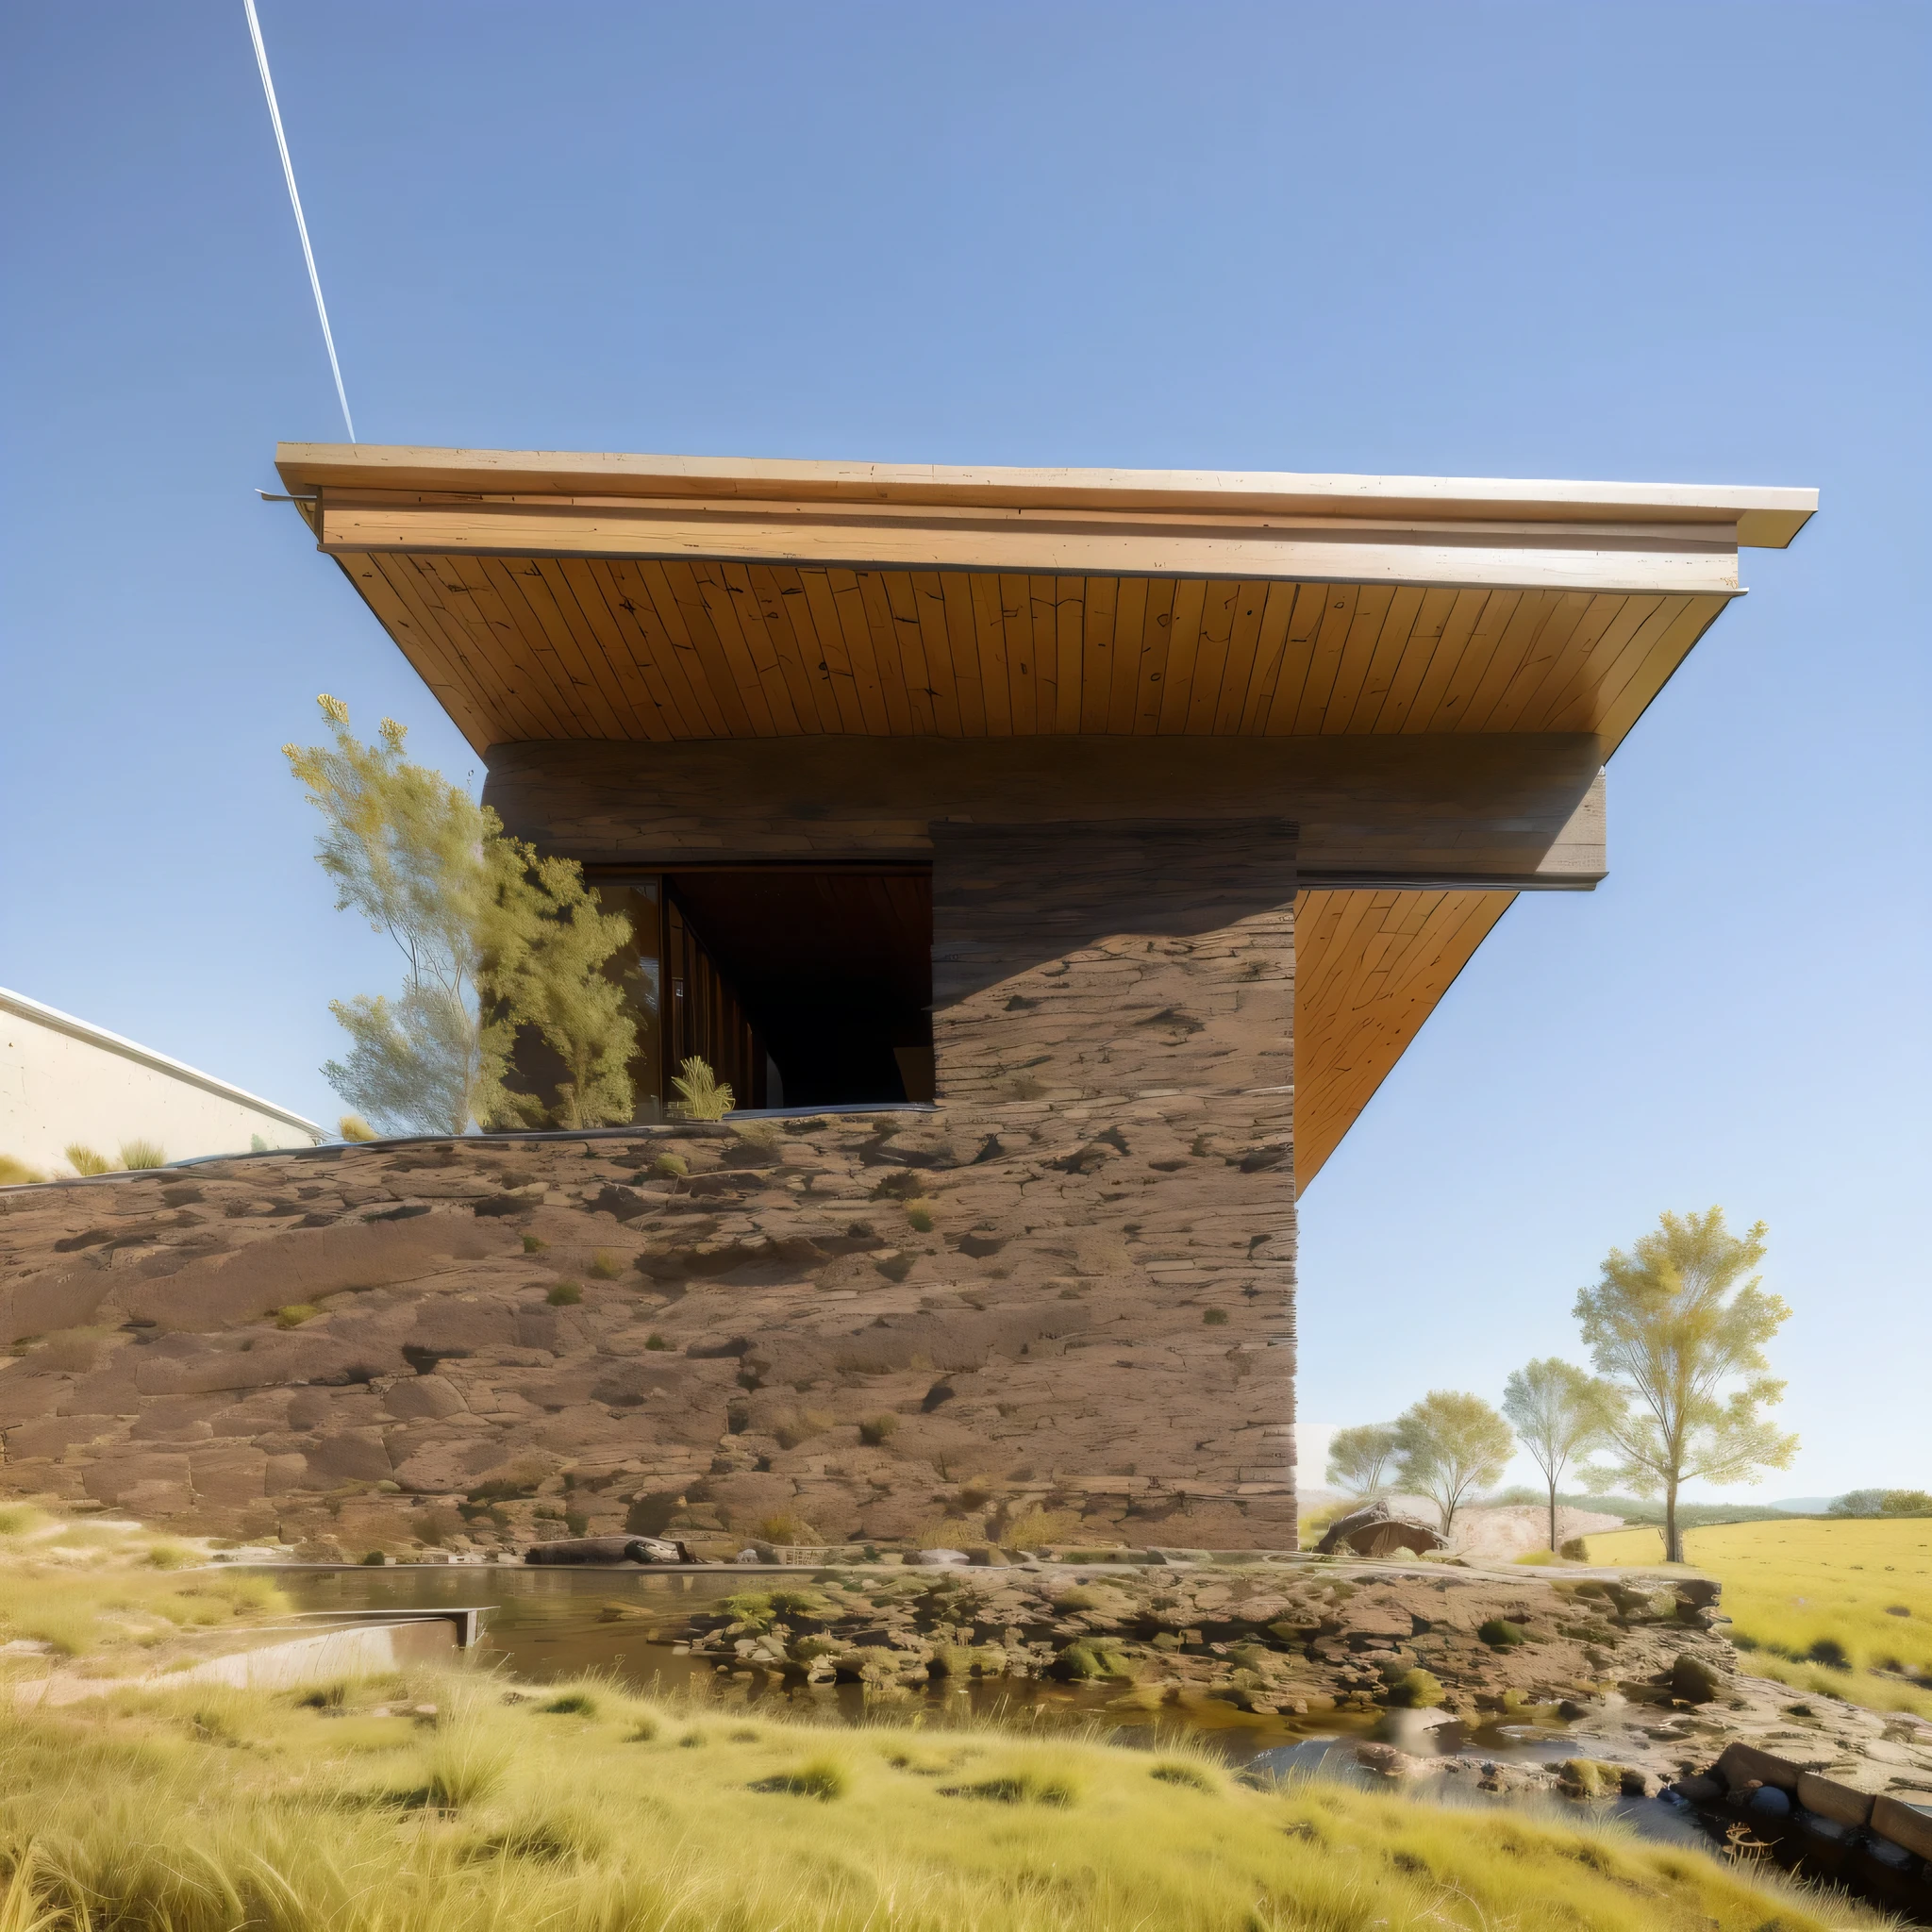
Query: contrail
column 275, row 114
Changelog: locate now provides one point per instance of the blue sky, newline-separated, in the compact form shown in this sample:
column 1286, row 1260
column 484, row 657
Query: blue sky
column 1673, row 242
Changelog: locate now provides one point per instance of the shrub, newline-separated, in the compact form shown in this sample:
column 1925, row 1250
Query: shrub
column 465, row 1767
column 170, row 1555
column 573, row 1704
column 559, row 1837
column 1829, row 1652
column 534, row 1244
column 295, row 1314
column 1036, row 1528
column 352, row 1126
column 823, row 1778
column 1173, row 1770
column 919, row 1213
column 1025, row 1788
column 374, row 1560
column 605, row 1265
column 139, row 1154
column 671, row 1167
column 17, row 1173
column 505, row 1488
column 17, row 1519
column 702, row 1096
column 786, row 1529
column 1214, row 1317
column 83, row 1160
column 790, row 1601
column 1500, row 1634
column 1086, row 1658
column 566, row 1295
column 1592, row 1777
column 875, row 1429
column 436, row 1526
column 1416, row 1690
column 657, row 1343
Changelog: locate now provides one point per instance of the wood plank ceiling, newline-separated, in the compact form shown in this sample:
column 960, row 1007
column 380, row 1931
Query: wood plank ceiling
column 521, row 648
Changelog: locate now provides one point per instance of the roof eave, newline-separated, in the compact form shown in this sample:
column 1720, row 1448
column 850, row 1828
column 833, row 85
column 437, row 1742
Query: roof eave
column 1764, row 517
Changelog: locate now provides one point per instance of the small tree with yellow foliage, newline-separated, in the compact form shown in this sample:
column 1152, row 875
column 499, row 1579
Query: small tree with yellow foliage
column 1670, row 1325
column 491, row 937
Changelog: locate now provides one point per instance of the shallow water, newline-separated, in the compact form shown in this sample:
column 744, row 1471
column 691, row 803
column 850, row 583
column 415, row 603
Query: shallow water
column 546, row 1625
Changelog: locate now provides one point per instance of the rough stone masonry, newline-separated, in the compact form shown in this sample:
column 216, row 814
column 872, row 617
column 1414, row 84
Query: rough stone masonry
column 1067, row 1290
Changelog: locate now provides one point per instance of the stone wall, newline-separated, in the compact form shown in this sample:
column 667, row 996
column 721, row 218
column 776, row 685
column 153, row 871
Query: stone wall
column 1068, row 1293
column 889, row 1326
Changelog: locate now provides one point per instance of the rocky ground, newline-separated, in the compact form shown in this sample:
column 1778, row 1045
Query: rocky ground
column 1632, row 1683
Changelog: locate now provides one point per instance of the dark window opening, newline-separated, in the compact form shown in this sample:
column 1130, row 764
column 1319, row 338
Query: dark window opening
column 703, row 1016
column 798, row 986
column 833, row 970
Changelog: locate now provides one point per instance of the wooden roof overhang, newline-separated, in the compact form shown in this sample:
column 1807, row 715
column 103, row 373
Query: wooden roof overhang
column 549, row 596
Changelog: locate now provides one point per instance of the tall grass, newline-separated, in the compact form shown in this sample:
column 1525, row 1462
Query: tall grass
column 17, row 1173
column 1842, row 1607
column 137, row 1153
column 187, row 1812
column 84, row 1161
column 84, row 1612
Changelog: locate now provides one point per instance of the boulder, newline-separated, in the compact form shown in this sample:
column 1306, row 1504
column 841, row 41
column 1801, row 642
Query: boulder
column 1694, row 1680
column 1388, row 1761
column 1377, row 1530
column 610, row 1549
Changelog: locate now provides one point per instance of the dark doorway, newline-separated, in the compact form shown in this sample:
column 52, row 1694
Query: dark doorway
column 833, row 969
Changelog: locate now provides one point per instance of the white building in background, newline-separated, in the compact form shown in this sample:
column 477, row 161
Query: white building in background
column 62, row 1081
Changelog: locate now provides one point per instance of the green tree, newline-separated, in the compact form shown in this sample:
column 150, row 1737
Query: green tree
column 550, row 973
column 1448, row 1444
column 1358, row 1459
column 419, row 858
column 491, row 937
column 1558, row 1412
column 1670, row 1323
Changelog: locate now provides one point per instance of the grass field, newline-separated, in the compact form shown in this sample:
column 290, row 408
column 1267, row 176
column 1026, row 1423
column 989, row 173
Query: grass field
column 115, row 1594
column 432, row 1804
column 1796, row 1589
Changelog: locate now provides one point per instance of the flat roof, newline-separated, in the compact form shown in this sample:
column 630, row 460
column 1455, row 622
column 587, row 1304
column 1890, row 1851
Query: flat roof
column 554, row 595
column 1763, row 517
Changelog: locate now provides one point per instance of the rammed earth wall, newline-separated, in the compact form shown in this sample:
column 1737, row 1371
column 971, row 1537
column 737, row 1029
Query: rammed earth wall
column 1067, row 1287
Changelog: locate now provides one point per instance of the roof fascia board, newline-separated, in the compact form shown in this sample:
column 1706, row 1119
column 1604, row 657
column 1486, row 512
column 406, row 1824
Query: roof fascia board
column 1767, row 518
column 1698, row 559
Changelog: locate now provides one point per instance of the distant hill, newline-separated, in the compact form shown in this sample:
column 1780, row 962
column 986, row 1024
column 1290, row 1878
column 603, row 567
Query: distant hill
column 1805, row 1506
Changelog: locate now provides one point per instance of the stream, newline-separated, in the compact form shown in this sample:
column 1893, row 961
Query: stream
column 545, row 1625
